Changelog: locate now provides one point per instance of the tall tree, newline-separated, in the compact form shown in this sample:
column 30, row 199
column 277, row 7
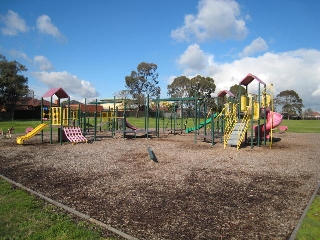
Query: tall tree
column 235, row 90
column 289, row 102
column 142, row 82
column 180, row 87
column 13, row 85
column 203, row 87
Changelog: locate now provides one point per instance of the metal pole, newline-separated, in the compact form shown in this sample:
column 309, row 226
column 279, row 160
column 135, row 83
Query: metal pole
column 95, row 122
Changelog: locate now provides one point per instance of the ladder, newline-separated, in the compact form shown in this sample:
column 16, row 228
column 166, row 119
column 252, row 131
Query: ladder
column 238, row 132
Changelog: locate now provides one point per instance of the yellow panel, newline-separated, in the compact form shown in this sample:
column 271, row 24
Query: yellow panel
column 268, row 100
column 243, row 103
column 65, row 116
column 256, row 111
column 56, row 113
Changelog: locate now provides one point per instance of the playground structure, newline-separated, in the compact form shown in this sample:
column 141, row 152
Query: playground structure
column 117, row 121
column 7, row 134
column 236, row 118
column 55, row 117
column 182, row 109
column 252, row 108
column 231, row 123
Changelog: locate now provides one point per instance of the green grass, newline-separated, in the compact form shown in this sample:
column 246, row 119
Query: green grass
column 22, row 216
column 310, row 227
column 302, row 126
column 296, row 126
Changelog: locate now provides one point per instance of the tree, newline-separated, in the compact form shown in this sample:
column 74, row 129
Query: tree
column 199, row 86
column 180, row 87
column 142, row 82
column 235, row 90
column 123, row 94
column 13, row 85
column 203, row 87
column 289, row 102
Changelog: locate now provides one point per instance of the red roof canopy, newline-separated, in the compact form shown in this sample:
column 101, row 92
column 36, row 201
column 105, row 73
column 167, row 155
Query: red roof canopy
column 249, row 78
column 59, row 92
column 225, row 92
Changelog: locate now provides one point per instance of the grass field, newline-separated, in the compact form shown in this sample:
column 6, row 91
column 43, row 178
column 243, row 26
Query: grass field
column 310, row 228
column 297, row 126
column 23, row 216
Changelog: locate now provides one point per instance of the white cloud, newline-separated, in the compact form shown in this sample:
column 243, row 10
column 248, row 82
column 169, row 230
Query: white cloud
column 316, row 92
column 43, row 63
column 18, row 54
column 216, row 19
column 170, row 79
column 70, row 83
column 45, row 26
column 257, row 45
column 297, row 70
column 193, row 60
column 13, row 24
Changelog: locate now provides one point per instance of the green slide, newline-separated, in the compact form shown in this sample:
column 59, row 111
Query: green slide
column 201, row 125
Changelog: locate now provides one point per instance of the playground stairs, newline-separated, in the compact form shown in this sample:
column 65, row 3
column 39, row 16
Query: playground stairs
column 237, row 135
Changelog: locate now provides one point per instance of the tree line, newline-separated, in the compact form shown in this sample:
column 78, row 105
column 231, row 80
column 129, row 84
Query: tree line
column 141, row 83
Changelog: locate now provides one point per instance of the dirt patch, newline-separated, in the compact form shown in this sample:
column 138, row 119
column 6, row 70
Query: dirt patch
column 194, row 191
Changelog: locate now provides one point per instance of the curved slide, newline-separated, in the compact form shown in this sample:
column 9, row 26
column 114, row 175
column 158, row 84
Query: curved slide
column 128, row 125
column 30, row 134
column 274, row 119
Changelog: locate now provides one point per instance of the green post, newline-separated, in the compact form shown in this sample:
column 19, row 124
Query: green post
column 84, row 116
column 124, row 125
column 78, row 114
column 212, row 129
column 147, row 117
column 69, row 112
column 265, row 114
column 51, row 121
column 181, row 116
column 205, row 116
column 259, row 115
column 95, row 122
column 252, row 114
column 61, row 122
column 42, row 111
column 196, row 117
column 114, row 115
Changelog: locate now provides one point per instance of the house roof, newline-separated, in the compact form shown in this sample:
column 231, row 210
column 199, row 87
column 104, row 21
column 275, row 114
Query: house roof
column 59, row 92
column 249, row 78
column 29, row 101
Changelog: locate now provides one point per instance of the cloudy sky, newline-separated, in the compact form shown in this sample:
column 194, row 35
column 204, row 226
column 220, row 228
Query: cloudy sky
column 88, row 47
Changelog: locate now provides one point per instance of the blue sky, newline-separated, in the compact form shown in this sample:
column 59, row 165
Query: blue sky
column 88, row 47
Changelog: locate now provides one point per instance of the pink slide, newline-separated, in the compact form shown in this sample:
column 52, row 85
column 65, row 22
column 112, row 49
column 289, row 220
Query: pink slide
column 274, row 119
column 130, row 126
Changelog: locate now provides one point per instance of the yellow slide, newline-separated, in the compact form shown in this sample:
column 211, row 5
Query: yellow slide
column 29, row 135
